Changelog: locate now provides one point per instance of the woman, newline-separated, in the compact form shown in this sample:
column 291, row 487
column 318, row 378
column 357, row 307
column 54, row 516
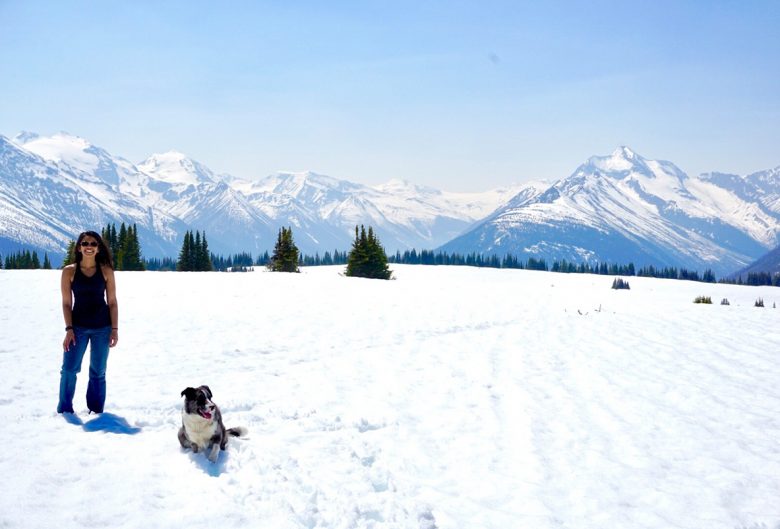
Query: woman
column 91, row 316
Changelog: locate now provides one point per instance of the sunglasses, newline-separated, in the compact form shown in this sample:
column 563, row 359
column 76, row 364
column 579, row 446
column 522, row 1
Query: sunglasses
column 89, row 243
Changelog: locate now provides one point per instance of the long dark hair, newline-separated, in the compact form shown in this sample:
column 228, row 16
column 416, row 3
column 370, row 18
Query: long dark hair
column 102, row 258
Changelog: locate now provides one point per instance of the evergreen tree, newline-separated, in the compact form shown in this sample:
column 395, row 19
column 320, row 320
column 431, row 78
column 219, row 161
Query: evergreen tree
column 125, row 247
column 183, row 265
column 46, row 262
column 106, row 234
column 264, row 259
column 35, row 263
column 114, row 240
column 286, row 255
column 367, row 257
column 70, row 254
column 196, row 249
column 204, row 257
column 119, row 254
column 131, row 250
column 194, row 254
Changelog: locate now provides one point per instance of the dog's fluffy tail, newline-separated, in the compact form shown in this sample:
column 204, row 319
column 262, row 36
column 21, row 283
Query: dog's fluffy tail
column 239, row 431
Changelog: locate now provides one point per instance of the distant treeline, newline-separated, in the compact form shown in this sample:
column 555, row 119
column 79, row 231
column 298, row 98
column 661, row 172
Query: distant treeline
column 756, row 279
column 428, row 257
column 25, row 260
column 245, row 261
column 195, row 247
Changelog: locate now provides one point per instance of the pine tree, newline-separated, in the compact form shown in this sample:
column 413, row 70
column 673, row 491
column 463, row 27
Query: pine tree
column 119, row 255
column 286, row 255
column 125, row 247
column 195, row 247
column 367, row 257
column 106, row 234
column 204, row 257
column 183, row 265
column 46, row 262
column 114, row 241
column 131, row 253
column 194, row 255
column 70, row 254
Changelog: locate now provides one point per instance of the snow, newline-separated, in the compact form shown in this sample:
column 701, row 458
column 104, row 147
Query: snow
column 452, row 397
column 692, row 220
column 62, row 147
column 176, row 168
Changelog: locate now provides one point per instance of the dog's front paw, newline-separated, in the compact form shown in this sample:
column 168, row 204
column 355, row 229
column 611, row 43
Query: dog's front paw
column 194, row 447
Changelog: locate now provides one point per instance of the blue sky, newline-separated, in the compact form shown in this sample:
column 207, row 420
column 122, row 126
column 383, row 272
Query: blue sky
column 455, row 95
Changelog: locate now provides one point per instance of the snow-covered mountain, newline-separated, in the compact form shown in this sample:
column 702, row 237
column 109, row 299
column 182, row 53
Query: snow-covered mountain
column 623, row 207
column 50, row 192
column 191, row 192
column 616, row 208
column 403, row 215
column 169, row 193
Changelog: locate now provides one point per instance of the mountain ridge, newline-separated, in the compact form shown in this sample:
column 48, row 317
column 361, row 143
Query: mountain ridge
column 171, row 192
column 624, row 207
column 620, row 207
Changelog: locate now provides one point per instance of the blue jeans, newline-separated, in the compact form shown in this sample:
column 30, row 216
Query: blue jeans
column 71, row 365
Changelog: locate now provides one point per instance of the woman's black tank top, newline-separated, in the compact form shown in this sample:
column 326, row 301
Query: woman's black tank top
column 89, row 307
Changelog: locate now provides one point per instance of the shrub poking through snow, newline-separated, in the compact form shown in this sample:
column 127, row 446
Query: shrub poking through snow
column 725, row 301
column 703, row 299
column 619, row 284
column 759, row 303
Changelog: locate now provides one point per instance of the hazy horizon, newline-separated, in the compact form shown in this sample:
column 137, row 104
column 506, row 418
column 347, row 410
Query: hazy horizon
column 453, row 96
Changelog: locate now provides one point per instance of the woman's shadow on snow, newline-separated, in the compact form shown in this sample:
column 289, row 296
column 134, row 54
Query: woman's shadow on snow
column 108, row 422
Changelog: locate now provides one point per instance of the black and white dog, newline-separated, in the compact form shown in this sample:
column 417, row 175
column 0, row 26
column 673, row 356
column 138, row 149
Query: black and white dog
column 202, row 427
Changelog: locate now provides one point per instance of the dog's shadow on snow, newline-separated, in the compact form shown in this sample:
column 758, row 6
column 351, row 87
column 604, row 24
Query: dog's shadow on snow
column 212, row 469
column 108, row 422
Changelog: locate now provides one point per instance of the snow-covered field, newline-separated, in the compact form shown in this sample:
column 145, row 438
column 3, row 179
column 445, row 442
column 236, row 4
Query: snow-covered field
column 448, row 398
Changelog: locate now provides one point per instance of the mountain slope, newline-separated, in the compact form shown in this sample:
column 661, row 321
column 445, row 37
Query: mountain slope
column 768, row 263
column 403, row 215
column 616, row 208
column 169, row 193
column 190, row 191
column 624, row 207
column 45, row 203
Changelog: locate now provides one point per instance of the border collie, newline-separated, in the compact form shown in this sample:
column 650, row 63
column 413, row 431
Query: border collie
column 202, row 427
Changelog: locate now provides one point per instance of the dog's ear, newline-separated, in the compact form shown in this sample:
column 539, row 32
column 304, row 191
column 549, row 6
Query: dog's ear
column 189, row 393
column 209, row 394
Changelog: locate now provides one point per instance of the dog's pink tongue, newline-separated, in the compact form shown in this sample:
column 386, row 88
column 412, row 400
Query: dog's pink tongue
column 205, row 414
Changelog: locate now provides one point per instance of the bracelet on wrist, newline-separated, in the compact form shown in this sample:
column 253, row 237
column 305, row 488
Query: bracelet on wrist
column 69, row 328
column 114, row 328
